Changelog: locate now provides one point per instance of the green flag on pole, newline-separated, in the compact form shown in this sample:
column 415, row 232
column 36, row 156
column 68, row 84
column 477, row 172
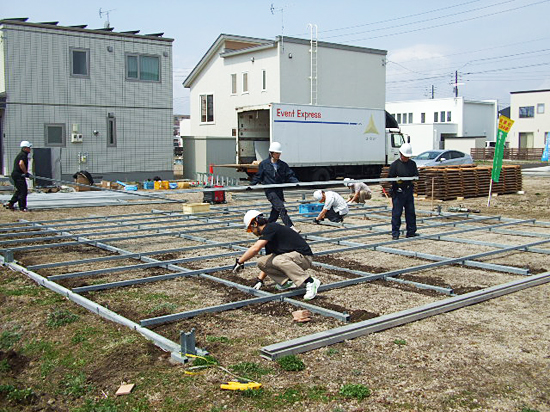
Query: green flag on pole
column 504, row 125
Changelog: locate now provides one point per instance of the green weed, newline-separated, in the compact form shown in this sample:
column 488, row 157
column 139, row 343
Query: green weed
column 20, row 396
column 60, row 317
column 222, row 339
column 23, row 291
column 163, row 307
column 4, row 366
column 250, row 370
column 317, row 393
column 205, row 360
column 102, row 405
column 291, row 363
column 357, row 391
column 291, row 396
column 332, row 351
column 75, row 385
column 8, row 339
column 528, row 410
column 400, row 342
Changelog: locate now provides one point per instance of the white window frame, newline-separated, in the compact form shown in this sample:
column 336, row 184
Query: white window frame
column 138, row 78
column 436, row 117
column 47, row 142
column 245, row 83
column 264, row 80
column 540, row 108
column 205, row 113
column 87, row 53
column 526, row 112
column 449, row 116
column 233, row 83
column 410, row 117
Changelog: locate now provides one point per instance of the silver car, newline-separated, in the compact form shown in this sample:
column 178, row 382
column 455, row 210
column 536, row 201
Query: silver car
column 442, row 158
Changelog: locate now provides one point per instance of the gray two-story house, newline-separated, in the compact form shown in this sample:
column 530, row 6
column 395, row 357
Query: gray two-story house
column 101, row 99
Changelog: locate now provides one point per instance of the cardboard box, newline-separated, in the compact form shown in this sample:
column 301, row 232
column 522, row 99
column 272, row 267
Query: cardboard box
column 195, row 208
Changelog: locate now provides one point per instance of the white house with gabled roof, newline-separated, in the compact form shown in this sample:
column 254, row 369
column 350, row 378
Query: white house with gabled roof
column 244, row 72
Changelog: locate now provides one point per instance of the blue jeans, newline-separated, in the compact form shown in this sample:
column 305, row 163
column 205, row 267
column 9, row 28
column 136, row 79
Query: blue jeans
column 403, row 200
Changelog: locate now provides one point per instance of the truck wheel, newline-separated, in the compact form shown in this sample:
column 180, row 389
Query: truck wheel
column 320, row 175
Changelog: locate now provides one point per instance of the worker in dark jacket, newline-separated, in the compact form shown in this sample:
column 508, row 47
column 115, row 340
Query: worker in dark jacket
column 19, row 173
column 274, row 171
column 402, row 192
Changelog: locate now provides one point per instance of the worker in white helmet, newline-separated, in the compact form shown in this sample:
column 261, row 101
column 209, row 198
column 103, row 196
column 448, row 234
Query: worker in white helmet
column 287, row 255
column 359, row 192
column 274, row 171
column 334, row 208
column 19, row 174
column 402, row 192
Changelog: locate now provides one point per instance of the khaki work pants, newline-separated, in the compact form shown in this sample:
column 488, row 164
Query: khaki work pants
column 291, row 265
column 363, row 196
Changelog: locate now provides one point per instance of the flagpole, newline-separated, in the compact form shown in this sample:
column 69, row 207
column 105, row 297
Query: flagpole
column 490, row 190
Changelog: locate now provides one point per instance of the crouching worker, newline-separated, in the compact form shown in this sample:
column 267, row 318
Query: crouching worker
column 287, row 255
column 359, row 191
column 335, row 207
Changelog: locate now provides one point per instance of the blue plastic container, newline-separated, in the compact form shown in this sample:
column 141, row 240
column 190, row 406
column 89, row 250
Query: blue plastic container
column 173, row 185
column 310, row 208
column 149, row 185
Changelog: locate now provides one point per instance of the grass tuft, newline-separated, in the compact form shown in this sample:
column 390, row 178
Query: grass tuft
column 355, row 390
column 291, row 363
column 60, row 317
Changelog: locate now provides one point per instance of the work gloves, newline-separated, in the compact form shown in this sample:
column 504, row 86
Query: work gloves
column 237, row 267
column 316, row 221
column 258, row 283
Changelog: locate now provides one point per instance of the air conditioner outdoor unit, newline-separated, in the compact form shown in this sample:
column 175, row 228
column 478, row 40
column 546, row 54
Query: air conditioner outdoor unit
column 76, row 138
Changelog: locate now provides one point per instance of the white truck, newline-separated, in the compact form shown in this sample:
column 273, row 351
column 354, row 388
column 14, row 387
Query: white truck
column 319, row 142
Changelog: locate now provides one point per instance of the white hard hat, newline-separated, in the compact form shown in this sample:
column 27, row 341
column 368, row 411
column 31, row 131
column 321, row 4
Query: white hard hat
column 406, row 150
column 249, row 217
column 346, row 182
column 25, row 143
column 318, row 195
column 275, row 147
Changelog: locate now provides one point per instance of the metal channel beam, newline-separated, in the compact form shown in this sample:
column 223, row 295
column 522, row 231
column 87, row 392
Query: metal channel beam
column 160, row 341
column 445, row 291
column 491, row 244
column 321, row 339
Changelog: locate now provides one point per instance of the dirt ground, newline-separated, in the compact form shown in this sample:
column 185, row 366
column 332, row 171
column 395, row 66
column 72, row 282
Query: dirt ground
column 493, row 356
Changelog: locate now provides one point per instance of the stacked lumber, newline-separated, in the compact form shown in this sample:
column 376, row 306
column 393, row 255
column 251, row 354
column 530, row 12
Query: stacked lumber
column 448, row 183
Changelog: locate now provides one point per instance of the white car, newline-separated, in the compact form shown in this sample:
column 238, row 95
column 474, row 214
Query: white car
column 442, row 158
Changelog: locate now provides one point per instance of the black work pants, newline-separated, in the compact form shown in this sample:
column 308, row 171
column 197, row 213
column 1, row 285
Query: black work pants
column 334, row 216
column 278, row 208
column 21, row 191
column 403, row 200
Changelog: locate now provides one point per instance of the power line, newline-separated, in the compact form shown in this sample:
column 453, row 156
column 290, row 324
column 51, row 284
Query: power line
column 450, row 23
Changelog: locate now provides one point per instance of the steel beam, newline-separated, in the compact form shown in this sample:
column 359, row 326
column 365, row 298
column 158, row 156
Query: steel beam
column 354, row 330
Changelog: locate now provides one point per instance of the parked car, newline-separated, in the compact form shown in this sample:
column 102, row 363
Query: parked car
column 442, row 158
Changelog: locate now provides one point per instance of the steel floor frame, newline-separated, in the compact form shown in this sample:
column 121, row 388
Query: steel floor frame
column 260, row 296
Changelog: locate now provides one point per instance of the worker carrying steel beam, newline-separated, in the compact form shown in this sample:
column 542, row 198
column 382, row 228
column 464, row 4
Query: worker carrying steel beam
column 19, row 174
column 287, row 255
column 402, row 192
column 274, row 171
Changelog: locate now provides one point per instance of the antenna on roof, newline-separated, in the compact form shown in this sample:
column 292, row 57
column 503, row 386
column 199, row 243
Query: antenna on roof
column 107, row 24
column 282, row 10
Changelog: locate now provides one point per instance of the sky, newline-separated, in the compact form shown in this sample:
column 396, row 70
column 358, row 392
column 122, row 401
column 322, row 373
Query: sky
column 493, row 47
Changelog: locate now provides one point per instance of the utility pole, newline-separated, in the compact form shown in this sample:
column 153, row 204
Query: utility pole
column 456, row 83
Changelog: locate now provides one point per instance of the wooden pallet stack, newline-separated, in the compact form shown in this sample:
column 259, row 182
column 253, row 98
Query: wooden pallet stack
column 448, row 183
